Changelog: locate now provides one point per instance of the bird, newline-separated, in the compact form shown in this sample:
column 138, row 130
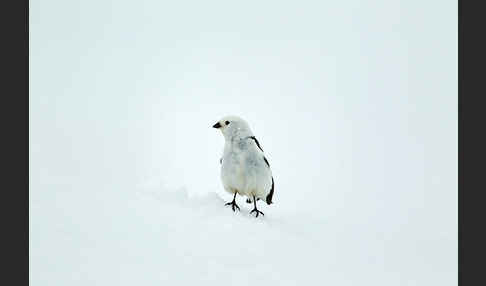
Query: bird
column 244, row 168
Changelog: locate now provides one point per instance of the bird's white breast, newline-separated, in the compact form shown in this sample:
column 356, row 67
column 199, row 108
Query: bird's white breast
column 244, row 169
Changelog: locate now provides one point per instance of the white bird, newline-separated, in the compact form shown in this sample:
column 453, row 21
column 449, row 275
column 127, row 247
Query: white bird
column 244, row 168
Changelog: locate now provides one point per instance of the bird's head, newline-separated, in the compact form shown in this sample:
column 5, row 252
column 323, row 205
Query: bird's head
column 232, row 126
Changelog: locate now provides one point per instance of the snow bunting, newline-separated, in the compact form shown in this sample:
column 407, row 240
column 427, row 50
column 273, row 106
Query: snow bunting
column 244, row 168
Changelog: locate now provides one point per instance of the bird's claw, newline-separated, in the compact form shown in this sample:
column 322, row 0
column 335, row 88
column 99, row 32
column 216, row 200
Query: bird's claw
column 257, row 212
column 233, row 204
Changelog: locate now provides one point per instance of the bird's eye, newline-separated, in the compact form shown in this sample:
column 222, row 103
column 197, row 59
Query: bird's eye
column 227, row 122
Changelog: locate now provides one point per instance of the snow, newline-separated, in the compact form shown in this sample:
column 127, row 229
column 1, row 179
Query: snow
column 153, row 236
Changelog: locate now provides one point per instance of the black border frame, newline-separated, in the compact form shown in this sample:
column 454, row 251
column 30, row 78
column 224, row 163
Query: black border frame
column 471, row 158
column 14, row 118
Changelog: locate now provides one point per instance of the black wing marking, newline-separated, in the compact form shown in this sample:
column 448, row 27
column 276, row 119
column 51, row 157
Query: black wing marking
column 221, row 161
column 270, row 195
column 265, row 159
column 256, row 141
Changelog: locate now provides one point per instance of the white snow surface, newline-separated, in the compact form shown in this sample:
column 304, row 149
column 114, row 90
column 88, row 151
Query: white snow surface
column 149, row 235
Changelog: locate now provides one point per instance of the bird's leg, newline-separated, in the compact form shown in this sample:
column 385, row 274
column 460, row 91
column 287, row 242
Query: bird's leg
column 233, row 204
column 248, row 201
column 255, row 209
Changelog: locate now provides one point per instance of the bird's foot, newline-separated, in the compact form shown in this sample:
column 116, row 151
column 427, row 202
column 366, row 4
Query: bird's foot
column 233, row 204
column 257, row 212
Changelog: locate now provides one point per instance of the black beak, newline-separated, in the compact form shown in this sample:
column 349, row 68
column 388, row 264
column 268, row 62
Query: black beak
column 217, row 125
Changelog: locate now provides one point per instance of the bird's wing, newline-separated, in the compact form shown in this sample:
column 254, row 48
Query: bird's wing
column 270, row 195
column 256, row 141
column 266, row 161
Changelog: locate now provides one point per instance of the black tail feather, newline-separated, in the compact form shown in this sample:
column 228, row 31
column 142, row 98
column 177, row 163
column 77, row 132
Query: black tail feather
column 270, row 195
